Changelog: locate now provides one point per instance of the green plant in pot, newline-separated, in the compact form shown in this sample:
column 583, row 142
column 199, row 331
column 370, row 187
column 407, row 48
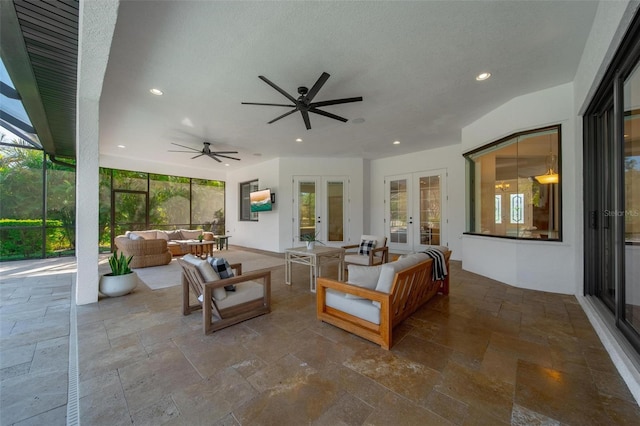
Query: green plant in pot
column 122, row 280
column 311, row 240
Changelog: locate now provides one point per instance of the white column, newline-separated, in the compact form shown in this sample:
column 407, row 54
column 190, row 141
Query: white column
column 96, row 25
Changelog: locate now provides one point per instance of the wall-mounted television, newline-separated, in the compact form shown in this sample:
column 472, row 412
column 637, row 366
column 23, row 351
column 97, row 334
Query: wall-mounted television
column 262, row 200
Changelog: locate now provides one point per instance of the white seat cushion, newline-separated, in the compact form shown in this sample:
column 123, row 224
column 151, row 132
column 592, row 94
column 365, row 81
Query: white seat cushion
column 245, row 292
column 361, row 308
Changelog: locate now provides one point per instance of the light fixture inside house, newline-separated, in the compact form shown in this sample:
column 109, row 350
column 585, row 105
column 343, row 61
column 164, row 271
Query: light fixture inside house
column 396, row 142
column 550, row 176
column 226, row 164
column 121, row 146
column 156, row 92
column 298, row 140
column 502, row 186
column 483, row 76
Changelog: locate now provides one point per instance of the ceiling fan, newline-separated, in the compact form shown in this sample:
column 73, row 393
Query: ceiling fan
column 304, row 104
column 206, row 150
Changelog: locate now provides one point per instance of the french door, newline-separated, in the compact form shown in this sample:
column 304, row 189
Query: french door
column 320, row 208
column 415, row 206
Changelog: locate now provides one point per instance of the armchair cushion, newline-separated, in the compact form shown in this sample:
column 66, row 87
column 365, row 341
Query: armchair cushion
column 208, row 275
column 366, row 246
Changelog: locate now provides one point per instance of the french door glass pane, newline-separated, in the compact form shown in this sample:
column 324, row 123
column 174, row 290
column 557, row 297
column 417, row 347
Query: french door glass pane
column 430, row 210
column 631, row 167
column 306, row 208
column 335, row 211
column 398, row 211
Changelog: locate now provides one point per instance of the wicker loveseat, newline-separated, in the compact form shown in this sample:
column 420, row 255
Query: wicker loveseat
column 157, row 247
column 377, row 298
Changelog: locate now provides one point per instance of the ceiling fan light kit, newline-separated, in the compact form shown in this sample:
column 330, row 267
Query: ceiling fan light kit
column 304, row 102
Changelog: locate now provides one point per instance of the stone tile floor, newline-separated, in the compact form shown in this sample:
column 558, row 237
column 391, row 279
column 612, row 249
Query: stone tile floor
column 486, row 354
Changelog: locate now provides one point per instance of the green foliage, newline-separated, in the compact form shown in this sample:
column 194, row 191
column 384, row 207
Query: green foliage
column 120, row 265
column 311, row 237
column 23, row 238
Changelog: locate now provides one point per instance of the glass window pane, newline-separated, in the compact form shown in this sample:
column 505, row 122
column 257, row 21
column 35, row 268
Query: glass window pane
column 631, row 167
column 124, row 179
column 169, row 198
column 307, row 208
column 207, row 205
column 525, row 170
column 61, row 209
column 398, row 211
column 335, row 211
column 246, row 188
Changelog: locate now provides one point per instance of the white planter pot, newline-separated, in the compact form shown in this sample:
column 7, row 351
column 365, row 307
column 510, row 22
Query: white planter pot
column 118, row 285
column 311, row 245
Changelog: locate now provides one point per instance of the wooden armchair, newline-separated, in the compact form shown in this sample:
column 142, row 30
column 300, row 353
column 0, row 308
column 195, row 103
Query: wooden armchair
column 251, row 298
column 378, row 255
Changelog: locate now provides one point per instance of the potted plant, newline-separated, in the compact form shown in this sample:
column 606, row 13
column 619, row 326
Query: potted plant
column 121, row 280
column 311, row 240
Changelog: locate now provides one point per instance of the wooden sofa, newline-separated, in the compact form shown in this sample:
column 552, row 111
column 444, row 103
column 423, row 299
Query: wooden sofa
column 200, row 283
column 371, row 308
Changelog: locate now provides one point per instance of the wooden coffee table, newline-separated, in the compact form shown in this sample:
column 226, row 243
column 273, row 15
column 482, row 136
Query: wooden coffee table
column 202, row 249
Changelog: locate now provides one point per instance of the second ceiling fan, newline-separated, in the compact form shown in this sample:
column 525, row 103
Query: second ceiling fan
column 304, row 102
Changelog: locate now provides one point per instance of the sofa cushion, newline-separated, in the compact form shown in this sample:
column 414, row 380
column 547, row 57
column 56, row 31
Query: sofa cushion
column 174, row 235
column 361, row 308
column 363, row 276
column 208, row 275
column 162, row 235
column 190, row 234
column 366, row 246
column 134, row 236
column 147, row 235
column 388, row 270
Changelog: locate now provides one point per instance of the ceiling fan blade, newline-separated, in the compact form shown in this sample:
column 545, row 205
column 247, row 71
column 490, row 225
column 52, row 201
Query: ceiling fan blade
column 199, row 155
column 305, row 117
column 283, row 115
column 214, row 157
column 328, row 114
column 258, row 103
column 184, row 146
column 223, row 152
column 285, row 94
column 171, row 150
column 225, row 156
column 317, row 86
column 335, row 102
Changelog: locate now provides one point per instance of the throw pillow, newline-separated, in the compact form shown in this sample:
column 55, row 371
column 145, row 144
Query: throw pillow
column 190, row 234
column 174, row 235
column 223, row 269
column 133, row 236
column 366, row 246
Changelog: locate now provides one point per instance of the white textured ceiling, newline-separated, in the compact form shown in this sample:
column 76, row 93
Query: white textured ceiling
column 414, row 63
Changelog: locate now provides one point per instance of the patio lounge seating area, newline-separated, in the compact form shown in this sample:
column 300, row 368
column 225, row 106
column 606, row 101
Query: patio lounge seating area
column 486, row 354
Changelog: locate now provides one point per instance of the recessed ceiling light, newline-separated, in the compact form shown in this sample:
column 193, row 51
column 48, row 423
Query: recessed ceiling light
column 483, row 76
column 396, row 142
column 226, row 164
column 121, row 146
column 298, row 140
column 156, row 92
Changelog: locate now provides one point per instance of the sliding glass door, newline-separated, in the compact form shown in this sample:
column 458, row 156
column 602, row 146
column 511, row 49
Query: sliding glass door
column 612, row 191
